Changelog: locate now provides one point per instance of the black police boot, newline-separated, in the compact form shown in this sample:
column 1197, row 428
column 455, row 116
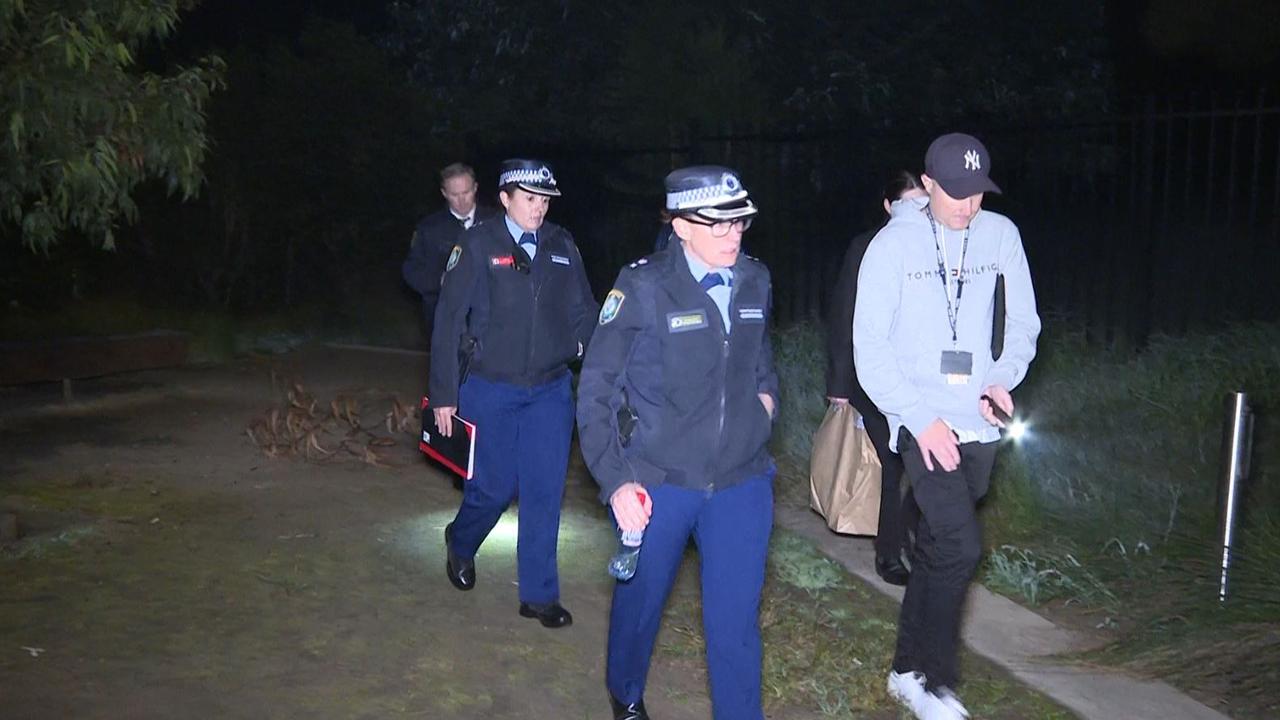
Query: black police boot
column 551, row 615
column 462, row 573
column 633, row 711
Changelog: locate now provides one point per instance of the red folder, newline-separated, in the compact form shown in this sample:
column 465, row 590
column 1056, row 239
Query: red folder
column 457, row 452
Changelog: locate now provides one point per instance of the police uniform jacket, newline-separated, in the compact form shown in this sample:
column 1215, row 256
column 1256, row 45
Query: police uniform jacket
column 434, row 237
column 661, row 350
column 505, row 319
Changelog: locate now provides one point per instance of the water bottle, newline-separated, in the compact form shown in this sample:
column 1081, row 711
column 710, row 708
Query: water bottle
column 623, row 564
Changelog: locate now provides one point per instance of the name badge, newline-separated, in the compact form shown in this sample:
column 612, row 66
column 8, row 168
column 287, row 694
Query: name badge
column 559, row 259
column 957, row 365
column 502, row 261
column 751, row 314
column 686, row 321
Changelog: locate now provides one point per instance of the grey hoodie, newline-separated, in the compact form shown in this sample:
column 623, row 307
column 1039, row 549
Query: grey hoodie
column 900, row 325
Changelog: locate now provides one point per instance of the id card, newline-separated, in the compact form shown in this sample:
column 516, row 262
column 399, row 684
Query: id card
column 957, row 365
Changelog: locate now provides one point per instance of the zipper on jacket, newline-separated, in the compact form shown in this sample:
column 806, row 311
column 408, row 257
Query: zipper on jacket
column 724, row 378
column 724, row 374
column 533, row 323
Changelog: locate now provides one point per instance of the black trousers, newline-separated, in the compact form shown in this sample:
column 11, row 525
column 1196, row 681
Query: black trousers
column 898, row 513
column 948, row 548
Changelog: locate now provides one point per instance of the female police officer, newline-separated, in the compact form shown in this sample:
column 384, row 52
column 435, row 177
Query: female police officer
column 515, row 308
column 675, row 409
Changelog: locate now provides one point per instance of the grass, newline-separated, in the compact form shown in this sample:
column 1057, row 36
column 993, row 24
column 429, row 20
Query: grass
column 1041, row 576
column 1110, row 504
column 828, row 643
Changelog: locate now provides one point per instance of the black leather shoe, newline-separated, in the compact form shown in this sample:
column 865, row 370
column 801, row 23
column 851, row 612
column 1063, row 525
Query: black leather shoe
column 462, row 573
column 892, row 571
column 634, row 711
column 552, row 616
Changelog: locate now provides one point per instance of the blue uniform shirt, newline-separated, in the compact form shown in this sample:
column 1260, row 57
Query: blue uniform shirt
column 720, row 293
column 517, row 232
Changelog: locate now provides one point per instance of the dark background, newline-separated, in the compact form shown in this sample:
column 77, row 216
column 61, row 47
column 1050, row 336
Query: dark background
column 1138, row 144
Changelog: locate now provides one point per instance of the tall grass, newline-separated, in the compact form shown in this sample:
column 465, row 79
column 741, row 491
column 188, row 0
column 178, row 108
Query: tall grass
column 1111, row 501
column 798, row 352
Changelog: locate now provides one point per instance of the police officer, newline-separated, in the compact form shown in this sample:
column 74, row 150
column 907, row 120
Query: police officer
column 515, row 309
column 675, row 408
column 438, row 232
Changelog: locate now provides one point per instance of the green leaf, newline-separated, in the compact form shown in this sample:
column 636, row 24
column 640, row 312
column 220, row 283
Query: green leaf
column 103, row 126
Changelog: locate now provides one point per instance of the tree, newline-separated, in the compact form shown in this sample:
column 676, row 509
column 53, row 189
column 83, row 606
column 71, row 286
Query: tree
column 85, row 124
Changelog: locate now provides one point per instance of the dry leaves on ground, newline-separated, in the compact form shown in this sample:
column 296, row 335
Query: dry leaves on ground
column 302, row 427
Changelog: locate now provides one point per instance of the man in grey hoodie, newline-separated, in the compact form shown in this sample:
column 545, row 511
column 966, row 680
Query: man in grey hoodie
column 922, row 348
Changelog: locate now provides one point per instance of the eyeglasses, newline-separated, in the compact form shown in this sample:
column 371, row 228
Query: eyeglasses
column 721, row 228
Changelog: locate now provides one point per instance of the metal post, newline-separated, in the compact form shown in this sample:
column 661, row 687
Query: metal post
column 1237, row 446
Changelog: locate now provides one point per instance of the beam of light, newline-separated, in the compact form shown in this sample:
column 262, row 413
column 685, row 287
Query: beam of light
column 424, row 534
column 1017, row 430
column 503, row 536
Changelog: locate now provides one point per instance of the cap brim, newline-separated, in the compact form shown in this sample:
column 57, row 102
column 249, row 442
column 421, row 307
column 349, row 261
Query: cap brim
column 967, row 186
column 728, row 211
column 539, row 190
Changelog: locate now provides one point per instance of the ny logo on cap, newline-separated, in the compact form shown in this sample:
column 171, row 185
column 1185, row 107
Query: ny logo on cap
column 972, row 161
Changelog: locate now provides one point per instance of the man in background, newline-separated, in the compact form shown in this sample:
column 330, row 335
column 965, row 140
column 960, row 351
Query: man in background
column 438, row 232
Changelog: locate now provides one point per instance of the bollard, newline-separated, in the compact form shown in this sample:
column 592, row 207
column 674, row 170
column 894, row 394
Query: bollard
column 1237, row 446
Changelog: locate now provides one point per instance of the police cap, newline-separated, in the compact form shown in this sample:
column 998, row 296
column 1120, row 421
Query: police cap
column 532, row 175
column 712, row 192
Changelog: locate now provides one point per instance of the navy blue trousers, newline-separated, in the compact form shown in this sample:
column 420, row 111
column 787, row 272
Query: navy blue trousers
column 731, row 528
column 522, row 449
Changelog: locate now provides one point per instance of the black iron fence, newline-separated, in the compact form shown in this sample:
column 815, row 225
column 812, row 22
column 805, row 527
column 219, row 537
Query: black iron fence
column 1160, row 220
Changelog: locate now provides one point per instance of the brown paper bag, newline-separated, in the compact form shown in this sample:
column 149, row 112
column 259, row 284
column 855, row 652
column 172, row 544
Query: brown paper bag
column 844, row 473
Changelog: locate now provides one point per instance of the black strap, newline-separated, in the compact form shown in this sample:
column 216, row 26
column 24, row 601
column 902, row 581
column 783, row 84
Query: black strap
column 997, row 320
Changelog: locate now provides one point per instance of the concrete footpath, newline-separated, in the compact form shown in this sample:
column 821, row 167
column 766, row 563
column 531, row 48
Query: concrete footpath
column 1021, row 641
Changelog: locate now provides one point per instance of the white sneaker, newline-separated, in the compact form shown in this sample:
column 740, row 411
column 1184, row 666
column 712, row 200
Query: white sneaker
column 949, row 698
column 907, row 688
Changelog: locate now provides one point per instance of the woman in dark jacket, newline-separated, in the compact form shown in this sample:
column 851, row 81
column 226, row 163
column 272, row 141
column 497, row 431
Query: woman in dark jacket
column 897, row 514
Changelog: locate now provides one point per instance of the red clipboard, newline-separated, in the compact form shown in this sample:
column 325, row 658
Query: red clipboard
column 457, row 452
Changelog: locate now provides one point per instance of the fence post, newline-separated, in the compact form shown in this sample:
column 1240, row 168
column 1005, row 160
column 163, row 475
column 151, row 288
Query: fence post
column 1237, row 446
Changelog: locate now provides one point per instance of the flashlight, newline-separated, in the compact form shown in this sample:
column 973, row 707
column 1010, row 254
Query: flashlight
column 1014, row 429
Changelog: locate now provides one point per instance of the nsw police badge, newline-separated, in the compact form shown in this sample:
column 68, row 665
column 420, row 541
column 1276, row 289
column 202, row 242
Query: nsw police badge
column 453, row 258
column 612, row 304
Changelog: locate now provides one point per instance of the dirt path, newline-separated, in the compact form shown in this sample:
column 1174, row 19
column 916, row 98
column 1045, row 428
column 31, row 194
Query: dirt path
column 183, row 574
column 170, row 569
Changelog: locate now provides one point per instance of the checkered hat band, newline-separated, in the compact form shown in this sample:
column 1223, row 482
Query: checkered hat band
column 703, row 196
column 524, row 175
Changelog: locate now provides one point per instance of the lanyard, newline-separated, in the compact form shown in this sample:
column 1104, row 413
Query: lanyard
column 953, row 305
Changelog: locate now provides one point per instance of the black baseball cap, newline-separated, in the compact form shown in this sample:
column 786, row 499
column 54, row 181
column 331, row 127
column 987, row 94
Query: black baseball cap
column 960, row 164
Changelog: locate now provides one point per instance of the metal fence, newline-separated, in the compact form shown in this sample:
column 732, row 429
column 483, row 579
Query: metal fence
column 1160, row 220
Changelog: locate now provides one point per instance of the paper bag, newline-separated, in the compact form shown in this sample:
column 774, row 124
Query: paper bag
column 844, row 473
